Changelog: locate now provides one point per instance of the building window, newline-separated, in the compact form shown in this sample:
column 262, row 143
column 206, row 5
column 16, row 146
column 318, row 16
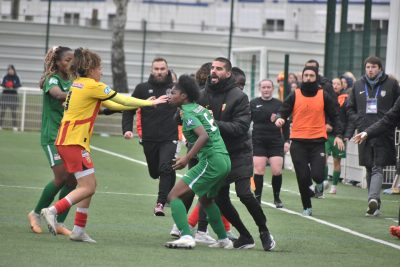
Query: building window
column 273, row 25
column 71, row 18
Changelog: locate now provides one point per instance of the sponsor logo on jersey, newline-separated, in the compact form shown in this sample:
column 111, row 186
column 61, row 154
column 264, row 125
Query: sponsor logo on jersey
column 198, row 109
column 53, row 80
column 107, row 90
column 78, row 85
column 258, row 106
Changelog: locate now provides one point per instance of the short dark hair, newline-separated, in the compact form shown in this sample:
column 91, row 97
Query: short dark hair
column 158, row 59
column 227, row 62
column 239, row 76
column 188, row 85
column 373, row 60
column 313, row 61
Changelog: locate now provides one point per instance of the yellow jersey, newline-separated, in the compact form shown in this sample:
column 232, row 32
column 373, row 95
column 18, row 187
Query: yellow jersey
column 81, row 107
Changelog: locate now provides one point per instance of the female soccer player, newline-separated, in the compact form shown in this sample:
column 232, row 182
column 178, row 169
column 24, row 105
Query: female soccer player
column 83, row 102
column 206, row 177
column 55, row 85
column 268, row 142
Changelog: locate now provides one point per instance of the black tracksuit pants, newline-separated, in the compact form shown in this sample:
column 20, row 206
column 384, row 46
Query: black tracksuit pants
column 309, row 162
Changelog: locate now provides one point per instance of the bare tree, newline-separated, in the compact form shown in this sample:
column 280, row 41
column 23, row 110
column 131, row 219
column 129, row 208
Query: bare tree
column 120, row 80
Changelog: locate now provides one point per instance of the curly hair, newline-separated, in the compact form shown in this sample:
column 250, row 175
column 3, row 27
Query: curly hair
column 188, row 85
column 53, row 55
column 202, row 74
column 83, row 62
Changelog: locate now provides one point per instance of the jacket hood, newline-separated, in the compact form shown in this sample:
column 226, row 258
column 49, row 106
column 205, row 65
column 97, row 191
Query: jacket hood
column 220, row 87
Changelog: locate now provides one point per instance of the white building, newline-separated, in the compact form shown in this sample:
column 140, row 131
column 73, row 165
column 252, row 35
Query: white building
column 291, row 19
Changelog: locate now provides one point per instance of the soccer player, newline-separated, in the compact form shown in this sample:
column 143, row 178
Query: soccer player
column 55, row 85
column 205, row 178
column 83, row 102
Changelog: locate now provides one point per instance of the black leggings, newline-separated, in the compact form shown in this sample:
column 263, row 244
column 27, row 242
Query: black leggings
column 309, row 162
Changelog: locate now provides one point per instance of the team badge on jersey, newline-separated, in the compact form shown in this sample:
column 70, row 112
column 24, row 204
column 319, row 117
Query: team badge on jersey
column 107, row 90
column 150, row 91
column 383, row 93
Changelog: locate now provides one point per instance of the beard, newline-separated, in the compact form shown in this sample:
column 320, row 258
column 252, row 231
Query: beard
column 309, row 88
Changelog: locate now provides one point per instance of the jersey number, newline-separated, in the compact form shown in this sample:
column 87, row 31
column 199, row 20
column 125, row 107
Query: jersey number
column 211, row 122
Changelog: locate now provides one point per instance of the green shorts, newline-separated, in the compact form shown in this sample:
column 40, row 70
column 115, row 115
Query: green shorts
column 330, row 149
column 52, row 155
column 207, row 176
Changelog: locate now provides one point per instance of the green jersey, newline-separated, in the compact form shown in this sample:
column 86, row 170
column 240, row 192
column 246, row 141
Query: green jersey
column 193, row 115
column 52, row 109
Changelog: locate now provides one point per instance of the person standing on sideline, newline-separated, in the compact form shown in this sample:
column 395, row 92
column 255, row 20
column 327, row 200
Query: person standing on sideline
column 87, row 94
column 269, row 144
column 159, row 130
column 207, row 176
column 55, row 84
column 330, row 149
column 372, row 96
column 9, row 97
column 231, row 110
column 308, row 106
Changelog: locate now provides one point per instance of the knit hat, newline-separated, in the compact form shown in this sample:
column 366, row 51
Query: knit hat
column 314, row 69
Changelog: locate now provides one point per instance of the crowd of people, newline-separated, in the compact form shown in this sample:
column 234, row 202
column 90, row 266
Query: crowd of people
column 229, row 140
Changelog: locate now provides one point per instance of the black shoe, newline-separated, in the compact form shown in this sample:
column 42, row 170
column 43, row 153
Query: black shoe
column 267, row 241
column 278, row 203
column 244, row 242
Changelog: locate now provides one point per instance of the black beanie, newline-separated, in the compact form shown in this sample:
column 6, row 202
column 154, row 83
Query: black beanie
column 314, row 69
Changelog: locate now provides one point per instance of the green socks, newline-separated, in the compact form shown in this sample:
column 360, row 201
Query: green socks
column 178, row 210
column 214, row 218
column 335, row 177
column 47, row 197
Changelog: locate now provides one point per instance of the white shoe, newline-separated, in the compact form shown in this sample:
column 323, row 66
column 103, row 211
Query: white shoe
column 186, row 241
column 327, row 185
column 51, row 220
column 81, row 237
column 333, row 190
column 223, row 243
column 175, row 231
column 204, row 238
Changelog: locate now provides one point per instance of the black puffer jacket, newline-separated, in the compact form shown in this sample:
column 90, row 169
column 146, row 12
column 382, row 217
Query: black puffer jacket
column 231, row 111
column 158, row 123
column 384, row 149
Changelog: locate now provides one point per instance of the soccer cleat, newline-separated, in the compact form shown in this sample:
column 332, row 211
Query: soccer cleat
column 333, row 190
column 34, row 221
column 326, row 185
column 307, row 212
column 175, row 231
column 222, row 243
column 81, row 237
column 278, row 203
column 204, row 238
column 267, row 241
column 186, row 241
column 244, row 242
column 231, row 235
column 62, row 230
column 373, row 208
column 159, row 210
column 319, row 191
column 50, row 220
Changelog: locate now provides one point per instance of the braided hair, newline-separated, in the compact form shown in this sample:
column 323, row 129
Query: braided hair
column 84, row 61
column 50, row 62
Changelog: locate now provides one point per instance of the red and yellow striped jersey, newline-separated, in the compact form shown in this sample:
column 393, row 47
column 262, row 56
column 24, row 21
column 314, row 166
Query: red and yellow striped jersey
column 81, row 108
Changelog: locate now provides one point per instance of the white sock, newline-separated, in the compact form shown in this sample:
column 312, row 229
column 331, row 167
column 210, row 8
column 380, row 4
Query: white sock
column 78, row 229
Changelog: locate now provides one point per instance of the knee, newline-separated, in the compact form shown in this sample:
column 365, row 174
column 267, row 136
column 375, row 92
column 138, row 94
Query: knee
column 165, row 169
column 246, row 198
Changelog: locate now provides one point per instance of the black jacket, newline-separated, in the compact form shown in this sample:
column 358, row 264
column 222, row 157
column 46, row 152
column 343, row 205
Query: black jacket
column 231, row 111
column 387, row 124
column 383, row 146
column 10, row 84
column 158, row 123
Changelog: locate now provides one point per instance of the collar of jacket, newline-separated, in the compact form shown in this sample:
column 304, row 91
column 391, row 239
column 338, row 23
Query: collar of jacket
column 222, row 86
column 378, row 79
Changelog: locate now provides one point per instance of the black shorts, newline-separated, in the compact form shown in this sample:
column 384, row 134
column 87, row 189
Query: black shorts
column 262, row 148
